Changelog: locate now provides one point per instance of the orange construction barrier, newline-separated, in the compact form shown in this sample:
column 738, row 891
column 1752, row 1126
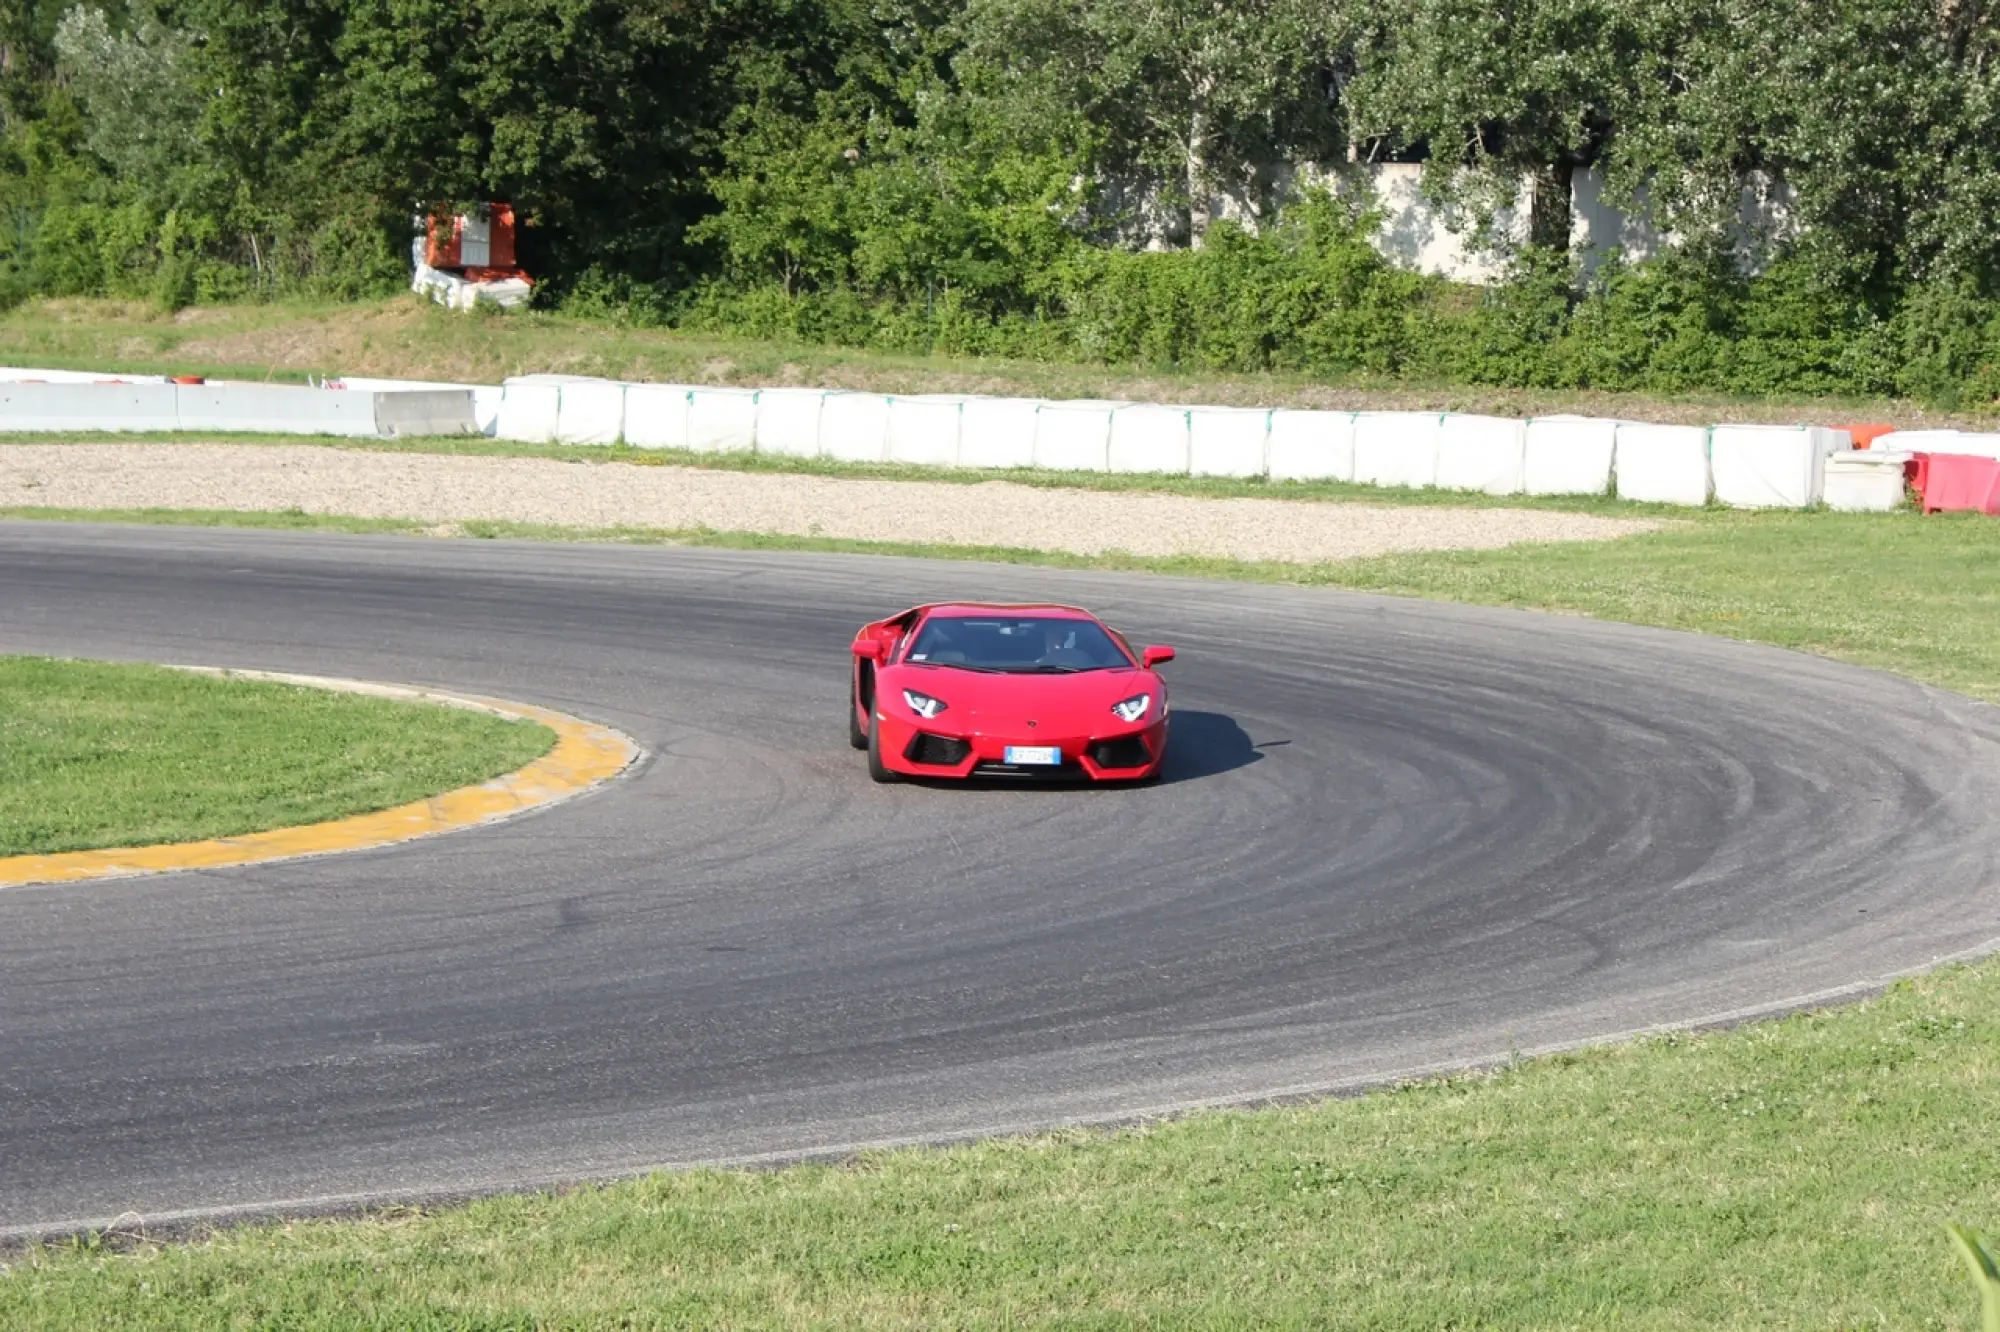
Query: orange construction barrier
column 1865, row 435
column 473, row 241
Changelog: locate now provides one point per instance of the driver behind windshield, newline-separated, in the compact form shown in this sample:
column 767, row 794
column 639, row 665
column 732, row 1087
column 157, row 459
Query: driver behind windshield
column 990, row 644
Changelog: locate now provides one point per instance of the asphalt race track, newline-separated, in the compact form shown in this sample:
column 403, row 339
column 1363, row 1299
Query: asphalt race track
column 1393, row 836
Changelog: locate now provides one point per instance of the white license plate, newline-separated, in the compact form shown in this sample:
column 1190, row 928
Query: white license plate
column 1022, row 756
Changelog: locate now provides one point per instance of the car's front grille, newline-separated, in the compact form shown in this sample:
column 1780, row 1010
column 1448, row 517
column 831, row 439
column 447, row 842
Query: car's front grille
column 1129, row 752
column 936, row 750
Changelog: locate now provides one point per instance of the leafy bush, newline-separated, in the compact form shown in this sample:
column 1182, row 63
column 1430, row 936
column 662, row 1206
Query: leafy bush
column 1041, row 178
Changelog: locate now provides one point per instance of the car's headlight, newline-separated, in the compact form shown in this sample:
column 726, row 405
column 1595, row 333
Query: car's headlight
column 923, row 704
column 1132, row 708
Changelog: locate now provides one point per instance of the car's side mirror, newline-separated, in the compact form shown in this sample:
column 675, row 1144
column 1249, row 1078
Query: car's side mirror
column 870, row 648
column 1156, row 656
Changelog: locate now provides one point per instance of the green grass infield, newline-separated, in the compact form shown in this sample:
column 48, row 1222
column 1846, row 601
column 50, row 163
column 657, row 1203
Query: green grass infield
column 94, row 754
column 1796, row 1173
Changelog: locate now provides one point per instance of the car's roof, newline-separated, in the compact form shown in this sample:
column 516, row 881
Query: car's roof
column 1046, row 611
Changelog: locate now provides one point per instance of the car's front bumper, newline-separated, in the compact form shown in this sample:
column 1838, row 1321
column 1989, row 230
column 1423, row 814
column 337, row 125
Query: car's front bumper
column 930, row 749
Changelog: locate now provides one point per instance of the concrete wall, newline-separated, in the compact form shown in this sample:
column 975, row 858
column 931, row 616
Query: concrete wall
column 1741, row 466
column 278, row 409
column 1417, row 234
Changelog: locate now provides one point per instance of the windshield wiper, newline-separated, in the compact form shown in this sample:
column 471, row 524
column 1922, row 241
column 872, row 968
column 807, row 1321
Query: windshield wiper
column 1049, row 668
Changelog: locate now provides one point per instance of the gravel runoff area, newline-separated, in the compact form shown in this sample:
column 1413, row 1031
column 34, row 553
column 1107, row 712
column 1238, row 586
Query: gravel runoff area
column 444, row 489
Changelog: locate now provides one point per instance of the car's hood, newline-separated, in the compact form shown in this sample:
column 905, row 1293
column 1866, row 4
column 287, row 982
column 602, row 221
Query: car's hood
column 993, row 700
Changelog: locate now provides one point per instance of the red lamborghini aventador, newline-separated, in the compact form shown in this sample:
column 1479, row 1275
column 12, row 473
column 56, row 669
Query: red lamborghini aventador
column 976, row 690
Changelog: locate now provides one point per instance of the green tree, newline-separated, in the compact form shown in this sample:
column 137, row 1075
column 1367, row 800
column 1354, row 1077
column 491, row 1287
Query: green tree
column 1505, row 99
column 1189, row 98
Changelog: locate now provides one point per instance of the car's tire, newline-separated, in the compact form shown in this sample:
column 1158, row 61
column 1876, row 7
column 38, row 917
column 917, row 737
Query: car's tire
column 856, row 736
column 876, row 769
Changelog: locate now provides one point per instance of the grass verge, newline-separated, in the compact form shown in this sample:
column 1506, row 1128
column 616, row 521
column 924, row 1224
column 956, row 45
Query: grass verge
column 410, row 338
column 1795, row 1173
column 100, row 755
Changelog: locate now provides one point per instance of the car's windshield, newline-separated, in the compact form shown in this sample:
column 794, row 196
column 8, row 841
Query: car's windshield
column 1016, row 643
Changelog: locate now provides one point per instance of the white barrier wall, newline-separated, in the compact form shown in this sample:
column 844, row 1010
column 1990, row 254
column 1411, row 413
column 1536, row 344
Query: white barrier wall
column 1146, row 437
column 788, row 422
column 854, row 427
column 78, row 406
column 528, row 411
column 1662, row 464
column 1740, row 465
column 1228, row 441
column 486, row 408
column 1396, row 448
column 1978, row 445
column 226, row 408
column 418, row 412
column 485, row 397
column 1864, row 481
column 14, row 374
column 590, row 412
column 997, row 432
column 656, row 416
column 722, row 420
column 1771, row 467
column 1919, row 441
column 273, row 408
column 923, row 430
column 1483, row 453
column 1569, row 455
column 1312, row 446
column 1074, row 436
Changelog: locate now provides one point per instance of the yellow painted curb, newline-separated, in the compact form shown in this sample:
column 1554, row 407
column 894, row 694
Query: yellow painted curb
column 585, row 755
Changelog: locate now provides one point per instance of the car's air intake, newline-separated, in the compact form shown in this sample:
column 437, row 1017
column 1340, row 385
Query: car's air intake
column 937, row 750
column 1129, row 752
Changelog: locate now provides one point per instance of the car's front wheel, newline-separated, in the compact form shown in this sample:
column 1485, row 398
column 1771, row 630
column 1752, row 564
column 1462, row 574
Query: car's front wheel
column 876, row 768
